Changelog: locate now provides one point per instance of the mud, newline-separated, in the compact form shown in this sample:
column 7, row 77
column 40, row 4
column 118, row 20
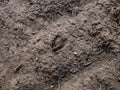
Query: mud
column 59, row 45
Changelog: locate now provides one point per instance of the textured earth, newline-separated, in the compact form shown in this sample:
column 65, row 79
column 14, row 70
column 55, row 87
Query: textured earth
column 59, row 44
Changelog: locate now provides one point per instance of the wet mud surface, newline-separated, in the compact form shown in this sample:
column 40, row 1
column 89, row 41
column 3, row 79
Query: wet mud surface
column 59, row 45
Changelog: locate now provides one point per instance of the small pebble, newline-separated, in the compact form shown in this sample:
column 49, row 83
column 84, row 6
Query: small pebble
column 51, row 86
column 75, row 53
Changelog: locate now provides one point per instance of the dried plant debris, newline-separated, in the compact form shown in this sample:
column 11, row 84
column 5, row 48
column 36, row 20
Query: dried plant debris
column 17, row 68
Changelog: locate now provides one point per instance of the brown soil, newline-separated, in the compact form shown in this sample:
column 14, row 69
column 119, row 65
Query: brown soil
column 59, row 45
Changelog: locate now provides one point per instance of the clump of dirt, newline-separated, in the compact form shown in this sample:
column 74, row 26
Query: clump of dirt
column 59, row 44
column 115, row 12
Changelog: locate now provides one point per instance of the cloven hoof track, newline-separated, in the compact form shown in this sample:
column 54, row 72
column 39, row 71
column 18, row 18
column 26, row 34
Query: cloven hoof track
column 58, row 42
column 59, row 45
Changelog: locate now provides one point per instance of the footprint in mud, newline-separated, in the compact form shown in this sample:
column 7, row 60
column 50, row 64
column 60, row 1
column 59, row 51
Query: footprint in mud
column 58, row 42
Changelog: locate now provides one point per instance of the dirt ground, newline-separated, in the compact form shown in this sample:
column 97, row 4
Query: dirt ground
column 59, row 44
